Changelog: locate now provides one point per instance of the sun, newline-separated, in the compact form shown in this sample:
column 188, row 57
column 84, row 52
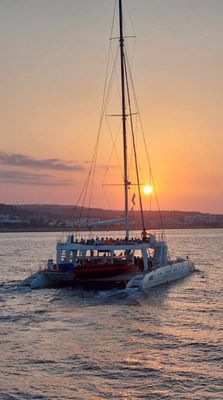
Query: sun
column 147, row 189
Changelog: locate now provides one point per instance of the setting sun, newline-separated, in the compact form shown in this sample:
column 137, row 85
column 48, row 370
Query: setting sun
column 147, row 189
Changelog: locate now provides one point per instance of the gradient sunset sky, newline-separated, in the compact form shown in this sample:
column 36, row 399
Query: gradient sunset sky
column 53, row 63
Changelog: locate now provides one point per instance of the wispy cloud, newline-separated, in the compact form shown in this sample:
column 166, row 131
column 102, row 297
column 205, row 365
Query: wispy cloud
column 26, row 178
column 21, row 160
column 103, row 166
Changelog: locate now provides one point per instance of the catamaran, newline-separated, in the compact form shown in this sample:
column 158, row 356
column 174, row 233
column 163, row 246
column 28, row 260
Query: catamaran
column 109, row 262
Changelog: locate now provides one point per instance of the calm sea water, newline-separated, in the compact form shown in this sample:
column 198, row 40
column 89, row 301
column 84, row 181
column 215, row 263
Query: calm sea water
column 119, row 344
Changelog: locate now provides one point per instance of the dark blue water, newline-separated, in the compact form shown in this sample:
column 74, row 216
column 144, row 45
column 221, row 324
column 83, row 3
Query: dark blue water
column 120, row 344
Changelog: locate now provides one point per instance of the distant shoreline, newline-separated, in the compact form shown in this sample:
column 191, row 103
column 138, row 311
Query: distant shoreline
column 48, row 218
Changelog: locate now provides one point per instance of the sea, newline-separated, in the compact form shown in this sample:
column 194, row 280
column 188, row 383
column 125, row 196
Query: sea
column 119, row 344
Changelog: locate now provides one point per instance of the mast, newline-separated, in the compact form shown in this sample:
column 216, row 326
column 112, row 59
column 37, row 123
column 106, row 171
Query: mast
column 122, row 61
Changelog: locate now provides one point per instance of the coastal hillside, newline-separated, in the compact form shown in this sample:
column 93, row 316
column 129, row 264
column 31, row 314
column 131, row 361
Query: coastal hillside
column 32, row 217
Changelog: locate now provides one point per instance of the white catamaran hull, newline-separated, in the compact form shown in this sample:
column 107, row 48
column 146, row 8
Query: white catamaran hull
column 46, row 279
column 162, row 275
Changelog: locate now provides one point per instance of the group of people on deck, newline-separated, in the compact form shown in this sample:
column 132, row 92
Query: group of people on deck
column 109, row 240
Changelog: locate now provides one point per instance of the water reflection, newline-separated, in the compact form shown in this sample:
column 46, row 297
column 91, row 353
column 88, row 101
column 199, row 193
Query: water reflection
column 71, row 344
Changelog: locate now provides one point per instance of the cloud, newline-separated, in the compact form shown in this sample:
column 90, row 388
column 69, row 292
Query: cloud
column 26, row 178
column 21, row 160
column 103, row 166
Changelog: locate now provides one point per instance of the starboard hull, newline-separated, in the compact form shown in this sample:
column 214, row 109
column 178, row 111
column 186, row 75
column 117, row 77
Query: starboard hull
column 162, row 275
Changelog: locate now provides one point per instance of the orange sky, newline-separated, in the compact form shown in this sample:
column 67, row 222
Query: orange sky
column 53, row 62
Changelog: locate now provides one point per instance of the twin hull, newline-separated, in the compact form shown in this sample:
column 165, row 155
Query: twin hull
column 127, row 277
column 100, row 274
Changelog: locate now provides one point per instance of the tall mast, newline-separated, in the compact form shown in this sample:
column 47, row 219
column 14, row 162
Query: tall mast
column 122, row 60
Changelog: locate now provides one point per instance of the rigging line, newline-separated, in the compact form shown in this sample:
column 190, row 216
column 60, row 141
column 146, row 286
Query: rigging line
column 106, row 98
column 113, row 150
column 131, row 155
column 89, row 176
column 109, row 56
column 86, row 183
column 117, row 49
column 130, row 18
column 146, row 149
column 131, row 176
column 113, row 18
column 80, row 196
column 137, row 106
column 107, row 87
column 84, row 197
column 101, row 120
column 153, row 182
column 133, row 36
column 116, row 73
column 102, row 115
column 108, row 201
column 134, row 147
column 150, row 183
